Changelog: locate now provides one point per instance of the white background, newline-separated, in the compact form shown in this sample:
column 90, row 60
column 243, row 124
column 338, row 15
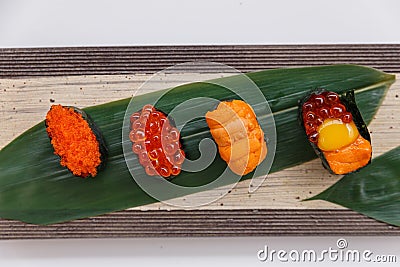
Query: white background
column 77, row 23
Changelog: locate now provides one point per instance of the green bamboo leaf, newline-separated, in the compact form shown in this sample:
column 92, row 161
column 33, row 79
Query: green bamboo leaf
column 373, row 191
column 35, row 188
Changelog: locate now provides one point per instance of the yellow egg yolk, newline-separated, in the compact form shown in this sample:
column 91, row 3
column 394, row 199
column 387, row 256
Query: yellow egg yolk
column 334, row 134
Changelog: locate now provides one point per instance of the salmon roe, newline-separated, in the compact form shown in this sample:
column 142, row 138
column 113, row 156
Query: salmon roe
column 156, row 142
column 322, row 106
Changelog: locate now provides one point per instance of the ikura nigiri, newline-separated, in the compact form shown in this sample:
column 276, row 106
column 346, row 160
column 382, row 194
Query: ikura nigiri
column 336, row 130
column 238, row 135
column 156, row 142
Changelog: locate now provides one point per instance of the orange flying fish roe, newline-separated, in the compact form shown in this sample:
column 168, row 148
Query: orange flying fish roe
column 73, row 140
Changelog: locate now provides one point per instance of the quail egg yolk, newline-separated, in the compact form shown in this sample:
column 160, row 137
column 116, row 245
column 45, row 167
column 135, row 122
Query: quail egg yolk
column 335, row 134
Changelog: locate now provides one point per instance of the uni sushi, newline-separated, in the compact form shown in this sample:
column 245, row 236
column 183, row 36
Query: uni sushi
column 76, row 140
column 240, row 139
column 336, row 131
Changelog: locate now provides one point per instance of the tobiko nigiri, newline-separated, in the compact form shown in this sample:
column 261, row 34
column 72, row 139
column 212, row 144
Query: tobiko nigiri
column 76, row 140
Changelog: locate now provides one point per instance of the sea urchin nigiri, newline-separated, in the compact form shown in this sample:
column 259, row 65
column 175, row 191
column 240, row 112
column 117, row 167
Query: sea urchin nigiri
column 240, row 139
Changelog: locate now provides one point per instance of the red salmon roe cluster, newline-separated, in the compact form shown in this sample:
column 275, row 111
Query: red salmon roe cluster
column 156, row 142
column 322, row 106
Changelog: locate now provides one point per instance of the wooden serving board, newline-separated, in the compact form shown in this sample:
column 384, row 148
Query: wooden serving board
column 31, row 80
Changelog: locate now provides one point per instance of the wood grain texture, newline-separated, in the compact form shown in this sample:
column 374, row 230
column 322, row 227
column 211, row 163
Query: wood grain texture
column 200, row 223
column 33, row 79
column 149, row 59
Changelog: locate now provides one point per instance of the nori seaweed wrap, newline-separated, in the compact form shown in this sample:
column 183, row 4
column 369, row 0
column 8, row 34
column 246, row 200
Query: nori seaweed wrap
column 336, row 130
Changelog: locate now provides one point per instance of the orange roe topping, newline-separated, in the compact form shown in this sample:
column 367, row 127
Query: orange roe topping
column 156, row 142
column 73, row 140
